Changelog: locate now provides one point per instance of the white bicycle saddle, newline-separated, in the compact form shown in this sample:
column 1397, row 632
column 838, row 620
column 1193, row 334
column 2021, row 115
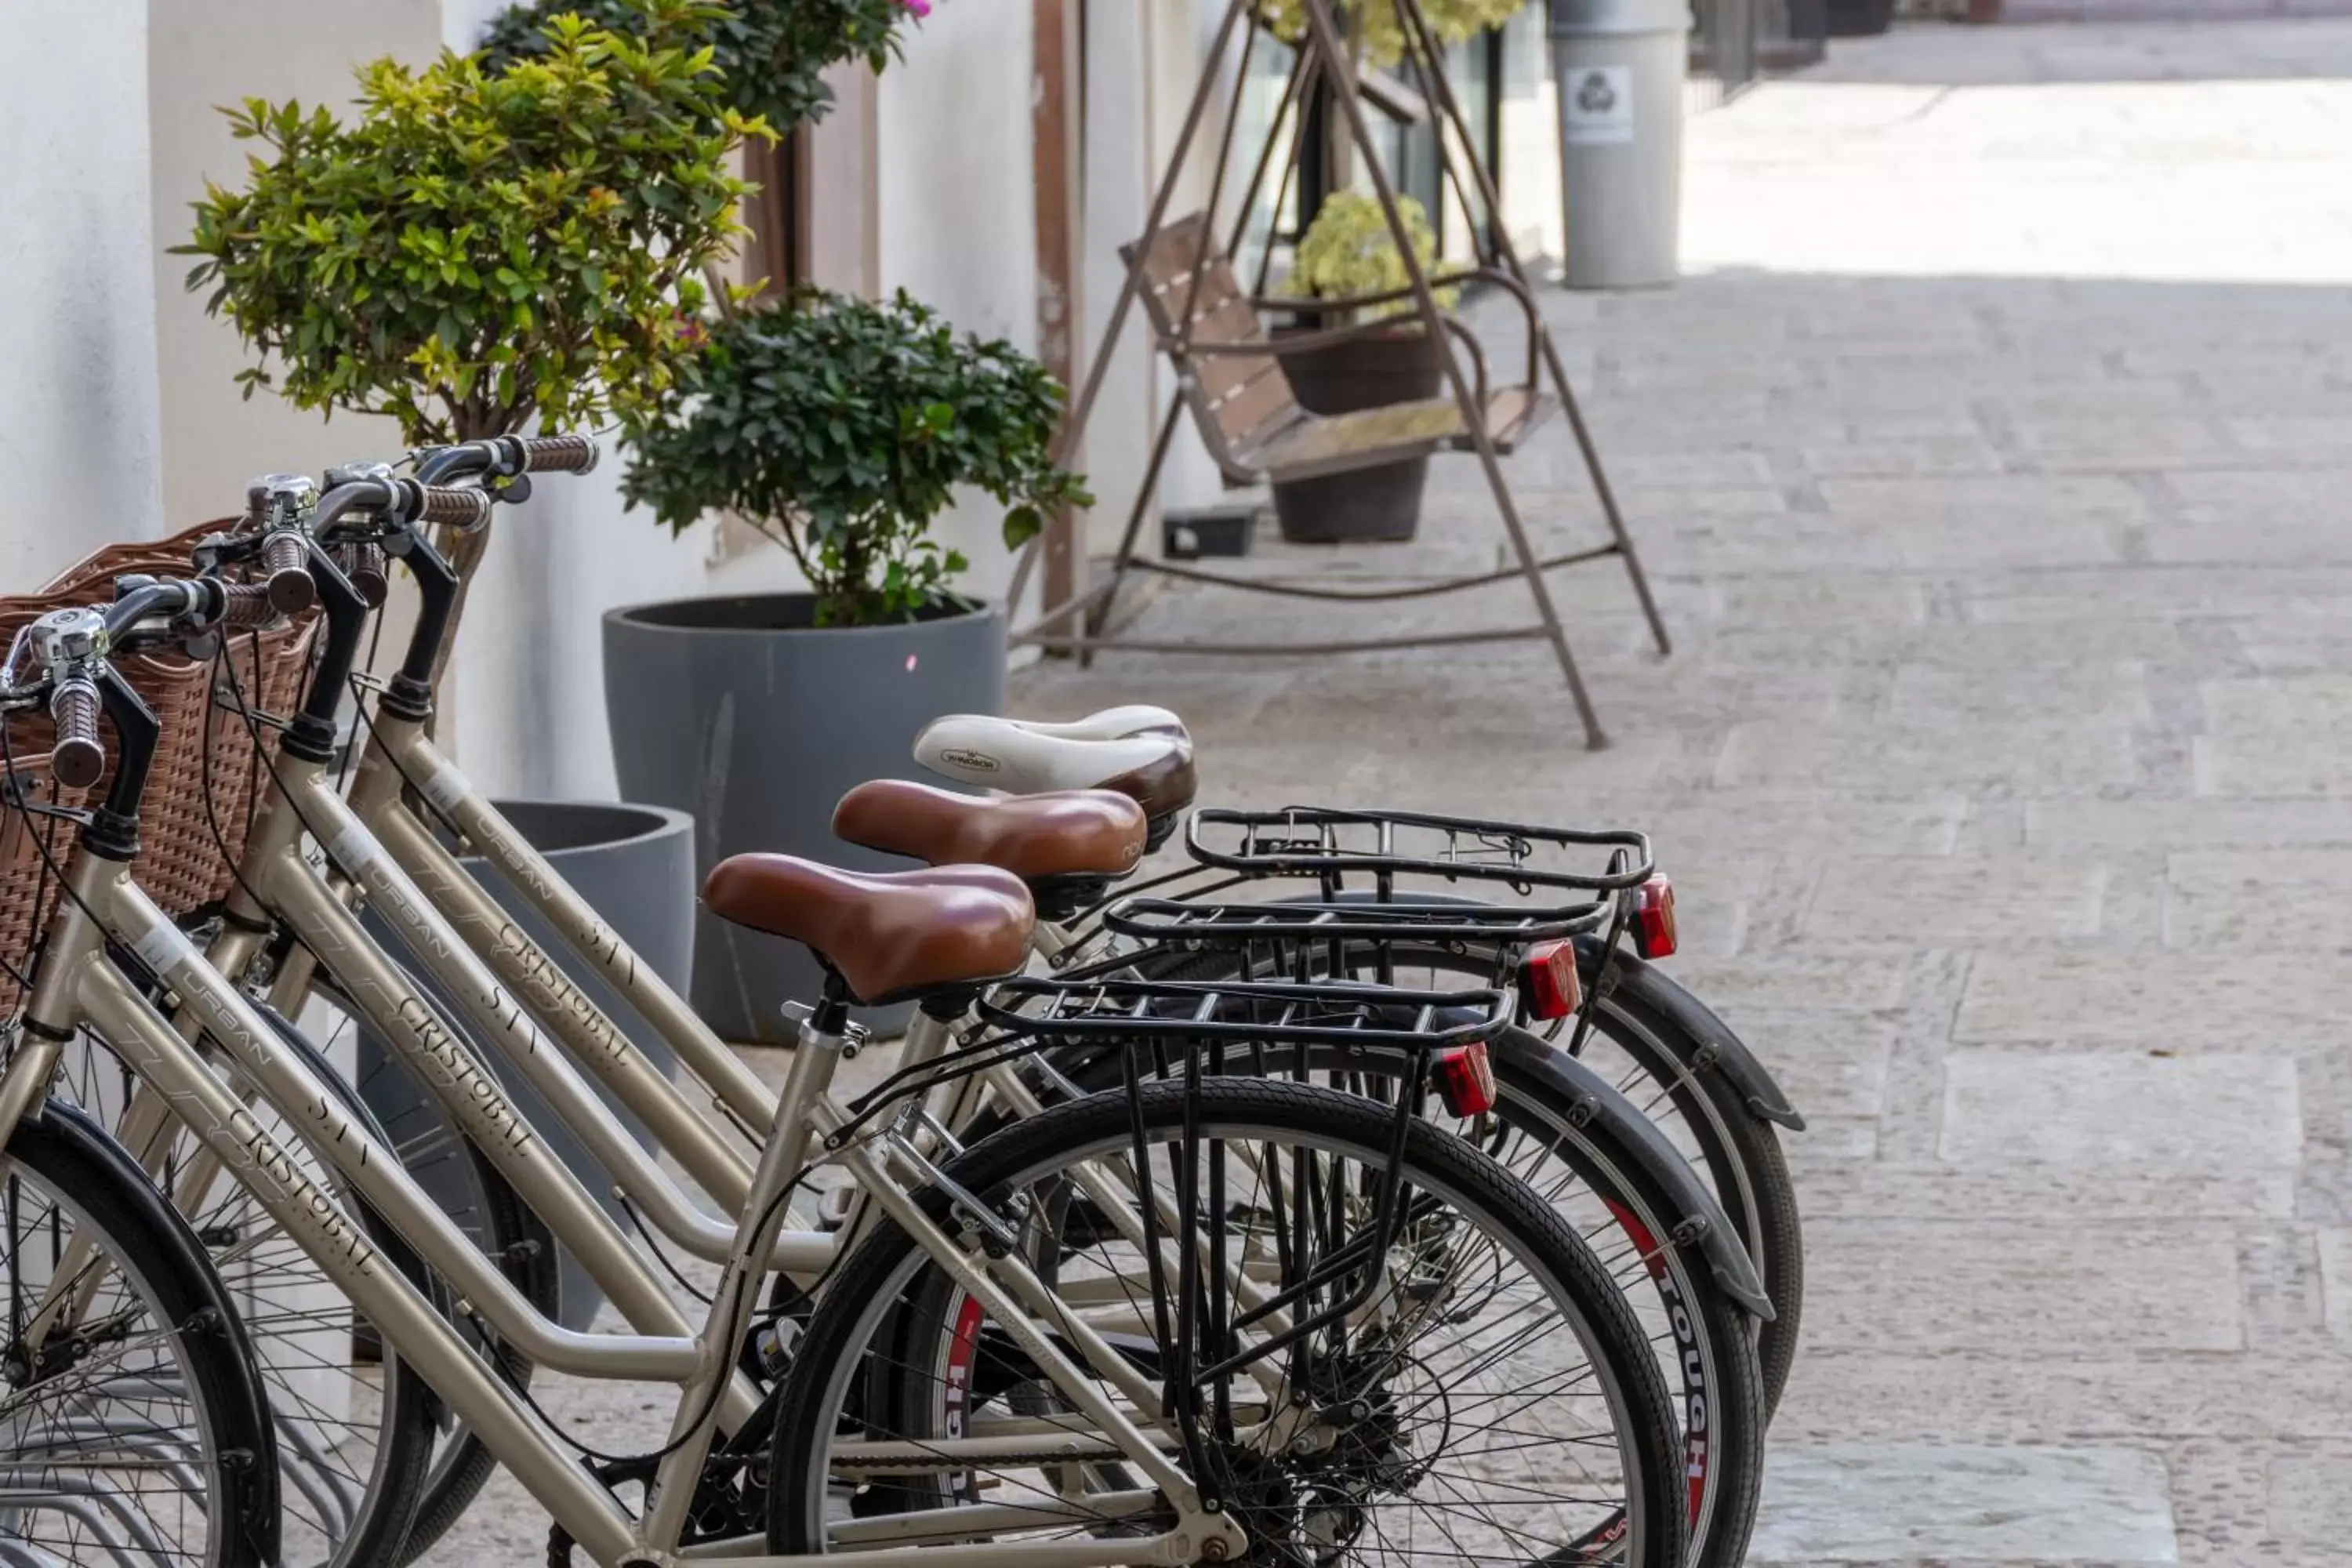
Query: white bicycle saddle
column 1111, row 725
column 1138, row 751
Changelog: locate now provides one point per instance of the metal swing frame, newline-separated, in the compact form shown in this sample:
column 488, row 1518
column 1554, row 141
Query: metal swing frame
column 1081, row 623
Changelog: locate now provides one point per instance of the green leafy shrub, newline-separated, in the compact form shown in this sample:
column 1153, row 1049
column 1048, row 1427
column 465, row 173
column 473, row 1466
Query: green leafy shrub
column 479, row 249
column 1375, row 21
column 840, row 428
column 773, row 54
column 1348, row 250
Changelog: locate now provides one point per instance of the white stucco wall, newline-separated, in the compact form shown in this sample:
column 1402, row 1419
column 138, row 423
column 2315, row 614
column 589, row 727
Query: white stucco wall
column 204, row 53
column 78, row 407
column 958, row 208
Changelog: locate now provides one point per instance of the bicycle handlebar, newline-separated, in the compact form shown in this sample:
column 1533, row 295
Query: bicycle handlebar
column 460, row 509
column 403, row 501
column 249, row 605
column 286, row 584
column 364, row 567
column 557, row 454
column 509, row 454
column 74, row 645
column 77, row 761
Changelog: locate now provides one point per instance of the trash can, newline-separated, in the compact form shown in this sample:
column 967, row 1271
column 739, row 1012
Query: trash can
column 1619, row 66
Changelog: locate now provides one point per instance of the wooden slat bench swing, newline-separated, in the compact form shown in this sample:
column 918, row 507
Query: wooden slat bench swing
column 1241, row 402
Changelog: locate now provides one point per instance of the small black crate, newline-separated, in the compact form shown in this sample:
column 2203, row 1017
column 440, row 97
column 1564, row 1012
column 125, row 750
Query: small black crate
column 1194, row 531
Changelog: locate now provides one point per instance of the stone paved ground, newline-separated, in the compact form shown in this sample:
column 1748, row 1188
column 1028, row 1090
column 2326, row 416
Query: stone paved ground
column 1995, row 463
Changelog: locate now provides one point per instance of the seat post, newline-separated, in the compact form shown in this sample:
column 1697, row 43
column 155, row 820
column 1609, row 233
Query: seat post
column 826, row 1034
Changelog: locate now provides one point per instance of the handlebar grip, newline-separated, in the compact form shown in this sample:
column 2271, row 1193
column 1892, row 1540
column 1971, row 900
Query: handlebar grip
column 247, row 604
column 464, row 509
column 286, row 573
column 363, row 564
column 558, row 454
column 77, row 761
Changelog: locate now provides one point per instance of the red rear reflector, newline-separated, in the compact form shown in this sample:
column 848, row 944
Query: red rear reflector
column 1548, row 980
column 1465, row 1080
column 1654, row 918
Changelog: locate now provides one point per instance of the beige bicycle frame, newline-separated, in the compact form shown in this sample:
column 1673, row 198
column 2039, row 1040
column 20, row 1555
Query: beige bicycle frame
column 77, row 985
column 399, row 753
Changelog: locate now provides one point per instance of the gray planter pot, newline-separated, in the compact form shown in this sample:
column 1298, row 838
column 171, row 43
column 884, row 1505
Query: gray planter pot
column 634, row 866
column 740, row 712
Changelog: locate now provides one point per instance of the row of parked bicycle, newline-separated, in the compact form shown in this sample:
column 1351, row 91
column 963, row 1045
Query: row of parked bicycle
column 1354, row 1191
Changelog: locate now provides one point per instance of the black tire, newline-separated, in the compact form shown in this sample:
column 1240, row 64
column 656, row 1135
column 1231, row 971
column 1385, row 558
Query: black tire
column 445, row 1160
column 1557, row 1144
column 1672, row 1035
column 1661, row 1049
column 60, row 1161
column 882, row 1287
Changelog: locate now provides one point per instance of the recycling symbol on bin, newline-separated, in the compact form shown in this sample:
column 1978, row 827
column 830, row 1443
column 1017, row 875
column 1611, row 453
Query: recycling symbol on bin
column 1594, row 95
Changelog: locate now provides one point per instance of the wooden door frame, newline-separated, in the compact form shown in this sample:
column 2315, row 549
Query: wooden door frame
column 1057, row 57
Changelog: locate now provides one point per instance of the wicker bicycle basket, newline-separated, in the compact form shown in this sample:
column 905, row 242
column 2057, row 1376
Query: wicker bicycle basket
column 206, row 776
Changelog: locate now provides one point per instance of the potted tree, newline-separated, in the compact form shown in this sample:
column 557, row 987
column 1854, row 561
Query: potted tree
column 477, row 252
column 1350, row 251
column 770, row 55
column 840, row 428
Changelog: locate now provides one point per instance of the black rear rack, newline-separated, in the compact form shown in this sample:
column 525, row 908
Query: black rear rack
column 1331, row 1013
column 1169, row 920
column 1333, row 846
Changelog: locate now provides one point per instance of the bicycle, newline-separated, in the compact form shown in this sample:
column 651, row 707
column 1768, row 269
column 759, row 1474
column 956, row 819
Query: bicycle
column 400, row 766
column 1340, row 1272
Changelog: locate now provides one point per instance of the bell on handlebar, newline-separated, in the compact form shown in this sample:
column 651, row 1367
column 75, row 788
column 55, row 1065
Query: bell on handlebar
column 278, row 500
column 355, row 473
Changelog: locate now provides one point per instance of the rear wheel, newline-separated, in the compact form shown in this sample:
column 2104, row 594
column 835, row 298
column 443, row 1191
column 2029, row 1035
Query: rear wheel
column 1489, row 1395
column 1545, row 1130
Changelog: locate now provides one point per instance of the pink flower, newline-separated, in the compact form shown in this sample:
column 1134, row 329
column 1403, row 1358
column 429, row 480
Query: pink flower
column 919, row 7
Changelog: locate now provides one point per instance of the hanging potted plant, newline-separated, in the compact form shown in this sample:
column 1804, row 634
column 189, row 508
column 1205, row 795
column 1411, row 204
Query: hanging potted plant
column 1347, row 249
column 840, row 428
column 1348, row 252
column 1376, row 34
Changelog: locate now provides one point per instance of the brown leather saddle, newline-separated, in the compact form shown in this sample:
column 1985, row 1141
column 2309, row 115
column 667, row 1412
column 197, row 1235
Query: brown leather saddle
column 1066, row 845
column 889, row 936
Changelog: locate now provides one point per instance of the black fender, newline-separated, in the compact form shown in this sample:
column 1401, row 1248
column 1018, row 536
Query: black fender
column 73, row 1129
column 1541, row 1068
column 1643, row 986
